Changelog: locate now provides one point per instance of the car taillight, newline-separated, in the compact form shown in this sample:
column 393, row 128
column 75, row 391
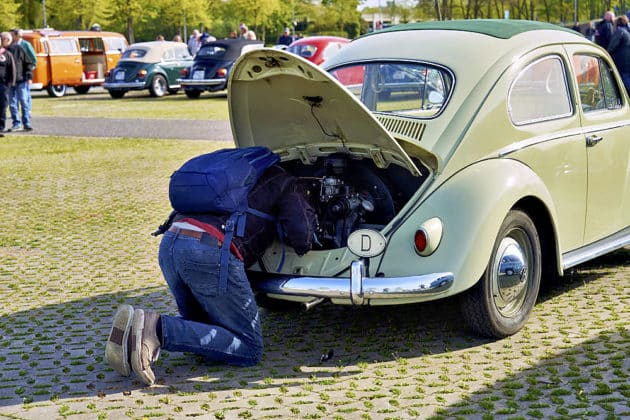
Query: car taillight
column 184, row 72
column 420, row 241
column 428, row 237
column 107, row 73
column 222, row 72
column 142, row 73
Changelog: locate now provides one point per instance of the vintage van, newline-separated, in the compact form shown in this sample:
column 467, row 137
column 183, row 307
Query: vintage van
column 73, row 58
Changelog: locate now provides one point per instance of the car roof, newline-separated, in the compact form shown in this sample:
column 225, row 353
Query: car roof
column 155, row 49
column 233, row 47
column 497, row 28
column 319, row 38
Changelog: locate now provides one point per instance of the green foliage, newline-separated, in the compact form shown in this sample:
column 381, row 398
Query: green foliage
column 9, row 14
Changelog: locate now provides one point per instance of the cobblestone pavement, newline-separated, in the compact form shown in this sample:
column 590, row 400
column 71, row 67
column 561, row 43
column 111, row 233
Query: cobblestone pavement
column 74, row 245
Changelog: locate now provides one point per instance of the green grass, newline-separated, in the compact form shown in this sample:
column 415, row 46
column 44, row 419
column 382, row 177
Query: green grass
column 210, row 106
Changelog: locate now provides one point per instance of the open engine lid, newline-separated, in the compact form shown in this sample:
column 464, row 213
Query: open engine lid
column 282, row 101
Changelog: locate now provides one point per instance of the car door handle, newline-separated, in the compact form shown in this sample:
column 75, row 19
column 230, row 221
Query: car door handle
column 593, row 140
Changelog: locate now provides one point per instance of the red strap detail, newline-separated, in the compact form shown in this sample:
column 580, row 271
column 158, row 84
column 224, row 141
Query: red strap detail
column 213, row 231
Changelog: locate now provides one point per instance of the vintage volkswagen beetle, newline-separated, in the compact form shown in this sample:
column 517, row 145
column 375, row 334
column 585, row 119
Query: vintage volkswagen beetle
column 481, row 175
column 213, row 61
column 317, row 49
column 152, row 65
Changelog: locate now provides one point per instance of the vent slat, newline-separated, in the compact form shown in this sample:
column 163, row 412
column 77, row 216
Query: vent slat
column 405, row 128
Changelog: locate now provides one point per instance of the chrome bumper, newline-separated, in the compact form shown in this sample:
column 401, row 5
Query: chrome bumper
column 126, row 85
column 201, row 82
column 357, row 288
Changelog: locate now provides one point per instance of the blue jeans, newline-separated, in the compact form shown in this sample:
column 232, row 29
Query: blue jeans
column 223, row 327
column 21, row 97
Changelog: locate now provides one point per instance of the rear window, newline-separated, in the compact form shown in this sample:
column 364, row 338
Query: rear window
column 133, row 53
column 214, row 51
column 407, row 88
column 303, row 50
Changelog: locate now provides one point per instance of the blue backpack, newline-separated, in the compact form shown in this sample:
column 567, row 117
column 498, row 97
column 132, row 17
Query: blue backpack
column 219, row 182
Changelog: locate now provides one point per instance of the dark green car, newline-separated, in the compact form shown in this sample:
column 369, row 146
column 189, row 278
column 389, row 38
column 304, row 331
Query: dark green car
column 155, row 66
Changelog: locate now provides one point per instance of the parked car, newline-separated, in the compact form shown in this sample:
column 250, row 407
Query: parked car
column 73, row 58
column 317, row 49
column 213, row 61
column 152, row 65
column 510, row 169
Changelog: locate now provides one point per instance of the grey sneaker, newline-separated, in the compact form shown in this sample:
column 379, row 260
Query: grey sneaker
column 117, row 347
column 145, row 345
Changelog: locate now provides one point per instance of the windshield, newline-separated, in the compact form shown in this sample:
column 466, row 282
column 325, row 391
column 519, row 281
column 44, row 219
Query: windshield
column 411, row 89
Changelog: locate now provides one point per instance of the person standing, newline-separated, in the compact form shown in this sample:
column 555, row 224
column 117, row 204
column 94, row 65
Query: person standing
column 285, row 38
column 20, row 94
column 218, row 322
column 619, row 49
column 604, row 30
column 7, row 77
column 194, row 42
column 246, row 33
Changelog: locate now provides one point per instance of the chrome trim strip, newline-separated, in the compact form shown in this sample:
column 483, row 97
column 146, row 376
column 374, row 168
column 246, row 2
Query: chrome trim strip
column 357, row 288
column 201, row 82
column 129, row 85
column 36, row 86
column 596, row 249
column 532, row 141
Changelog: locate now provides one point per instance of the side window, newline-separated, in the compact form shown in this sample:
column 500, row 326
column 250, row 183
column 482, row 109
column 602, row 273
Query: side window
column 596, row 83
column 169, row 55
column 540, row 92
column 114, row 44
column 63, row 45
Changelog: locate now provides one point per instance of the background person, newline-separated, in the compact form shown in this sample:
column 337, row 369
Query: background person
column 20, row 93
column 246, row 33
column 285, row 38
column 7, row 77
column 194, row 43
column 619, row 49
column 604, row 30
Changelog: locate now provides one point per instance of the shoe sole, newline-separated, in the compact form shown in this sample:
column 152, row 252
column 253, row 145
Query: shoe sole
column 145, row 375
column 117, row 348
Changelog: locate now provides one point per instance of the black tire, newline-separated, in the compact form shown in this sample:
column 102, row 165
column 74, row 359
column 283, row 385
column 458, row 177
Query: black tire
column 81, row 90
column 117, row 94
column 158, row 86
column 173, row 91
column 500, row 304
column 193, row 93
column 56, row 91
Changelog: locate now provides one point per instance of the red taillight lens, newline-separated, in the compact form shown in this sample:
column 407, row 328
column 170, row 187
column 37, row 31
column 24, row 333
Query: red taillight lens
column 184, row 72
column 142, row 73
column 221, row 72
column 420, row 240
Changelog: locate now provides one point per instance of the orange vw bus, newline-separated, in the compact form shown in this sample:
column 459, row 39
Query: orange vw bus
column 73, row 58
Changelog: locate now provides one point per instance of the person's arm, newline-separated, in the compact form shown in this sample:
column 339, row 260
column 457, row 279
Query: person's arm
column 298, row 219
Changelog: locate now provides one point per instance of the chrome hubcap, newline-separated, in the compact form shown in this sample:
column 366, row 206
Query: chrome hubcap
column 511, row 273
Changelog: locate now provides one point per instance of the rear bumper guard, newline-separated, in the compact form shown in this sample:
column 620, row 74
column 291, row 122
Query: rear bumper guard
column 358, row 288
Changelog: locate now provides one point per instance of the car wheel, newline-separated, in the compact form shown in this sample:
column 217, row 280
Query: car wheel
column 117, row 94
column 173, row 91
column 158, row 86
column 500, row 303
column 56, row 91
column 193, row 93
column 82, row 90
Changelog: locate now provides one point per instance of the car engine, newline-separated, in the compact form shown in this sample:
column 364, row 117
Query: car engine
column 349, row 194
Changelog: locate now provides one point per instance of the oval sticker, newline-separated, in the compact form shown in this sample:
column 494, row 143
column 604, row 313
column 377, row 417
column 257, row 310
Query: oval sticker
column 366, row 243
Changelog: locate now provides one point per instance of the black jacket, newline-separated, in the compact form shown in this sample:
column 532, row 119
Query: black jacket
column 7, row 68
column 274, row 193
column 603, row 32
column 23, row 63
column 619, row 48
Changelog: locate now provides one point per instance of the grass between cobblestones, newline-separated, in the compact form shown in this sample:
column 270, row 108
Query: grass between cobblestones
column 75, row 243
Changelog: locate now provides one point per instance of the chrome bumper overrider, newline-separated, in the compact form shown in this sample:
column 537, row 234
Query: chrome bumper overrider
column 358, row 288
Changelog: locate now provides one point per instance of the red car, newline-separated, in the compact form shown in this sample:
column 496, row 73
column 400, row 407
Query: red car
column 317, row 48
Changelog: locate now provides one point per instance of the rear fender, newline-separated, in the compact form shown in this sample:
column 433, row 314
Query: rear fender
column 471, row 204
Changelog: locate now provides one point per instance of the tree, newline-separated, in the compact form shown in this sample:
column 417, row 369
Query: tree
column 10, row 17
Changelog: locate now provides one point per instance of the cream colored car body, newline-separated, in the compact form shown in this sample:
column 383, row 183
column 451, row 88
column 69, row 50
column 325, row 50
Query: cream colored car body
column 569, row 174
